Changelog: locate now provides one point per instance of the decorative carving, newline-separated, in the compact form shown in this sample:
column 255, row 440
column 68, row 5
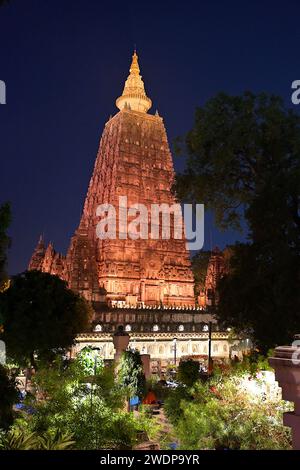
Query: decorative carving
column 215, row 270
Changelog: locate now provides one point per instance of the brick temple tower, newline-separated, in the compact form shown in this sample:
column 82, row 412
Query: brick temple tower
column 133, row 160
column 215, row 271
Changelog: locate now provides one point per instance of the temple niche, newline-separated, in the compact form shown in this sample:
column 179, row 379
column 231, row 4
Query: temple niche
column 133, row 160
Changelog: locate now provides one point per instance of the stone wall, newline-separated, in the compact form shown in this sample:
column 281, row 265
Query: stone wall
column 141, row 320
column 160, row 346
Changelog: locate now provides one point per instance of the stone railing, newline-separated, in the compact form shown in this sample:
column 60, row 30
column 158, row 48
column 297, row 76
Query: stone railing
column 149, row 320
column 286, row 362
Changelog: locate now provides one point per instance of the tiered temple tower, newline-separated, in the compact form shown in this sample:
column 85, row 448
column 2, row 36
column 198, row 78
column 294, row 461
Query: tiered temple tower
column 215, row 271
column 134, row 160
column 47, row 259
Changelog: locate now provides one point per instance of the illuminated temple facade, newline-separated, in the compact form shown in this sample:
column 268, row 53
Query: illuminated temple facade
column 144, row 285
column 134, row 160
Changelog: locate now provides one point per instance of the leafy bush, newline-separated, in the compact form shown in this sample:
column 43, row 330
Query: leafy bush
column 9, row 396
column 88, row 362
column 20, row 438
column 98, row 426
column 87, row 412
column 56, row 440
column 239, row 411
column 188, row 372
column 172, row 406
column 131, row 373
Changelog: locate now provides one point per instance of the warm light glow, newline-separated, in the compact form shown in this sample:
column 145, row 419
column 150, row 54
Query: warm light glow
column 262, row 387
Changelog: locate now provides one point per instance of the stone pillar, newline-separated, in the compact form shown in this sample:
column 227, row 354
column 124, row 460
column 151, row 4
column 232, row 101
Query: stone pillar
column 146, row 365
column 287, row 372
column 121, row 341
column 143, row 291
column 161, row 292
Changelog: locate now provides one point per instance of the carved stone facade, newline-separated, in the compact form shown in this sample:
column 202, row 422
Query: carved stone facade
column 161, row 347
column 47, row 259
column 158, row 331
column 133, row 161
column 154, row 274
column 215, row 270
column 147, row 320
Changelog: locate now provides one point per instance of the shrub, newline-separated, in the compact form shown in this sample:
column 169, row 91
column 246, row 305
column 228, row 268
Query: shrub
column 131, row 373
column 20, row 438
column 188, row 372
column 231, row 412
column 80, row 411
column 9, row 396
column 173, row 404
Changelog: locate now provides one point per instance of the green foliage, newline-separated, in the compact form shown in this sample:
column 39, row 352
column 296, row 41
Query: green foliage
column 252, row 364
column 150, row 427
column 89, row 362
column 243, row 162
column 41, row 315
column 259, row 296
column 8, row 397
column 237, row 410
column 100, row 427
column 20, row 438
column 88, row 412
column 173, row 402
column 237, row 146
column 131, row 373
column 188, row 372
column 56, row 441
column 109, row 391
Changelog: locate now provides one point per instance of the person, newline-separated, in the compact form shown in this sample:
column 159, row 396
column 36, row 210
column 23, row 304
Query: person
column 236, row 359
column 150, row 398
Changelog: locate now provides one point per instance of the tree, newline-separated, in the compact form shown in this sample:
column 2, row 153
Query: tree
column 236, row 145
column 259, row 296
column 41, row 315
column 131, row 373
column 244, row 163
column 188, row 372
column 9, row 396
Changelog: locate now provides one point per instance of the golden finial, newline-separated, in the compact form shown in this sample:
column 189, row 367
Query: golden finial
column 134, row 68
column 134, row 96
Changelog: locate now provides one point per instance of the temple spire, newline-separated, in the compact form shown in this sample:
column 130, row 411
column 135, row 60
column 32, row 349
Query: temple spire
column 134, row 68
column 41, row 240
column 38, row 255
column 134, row 96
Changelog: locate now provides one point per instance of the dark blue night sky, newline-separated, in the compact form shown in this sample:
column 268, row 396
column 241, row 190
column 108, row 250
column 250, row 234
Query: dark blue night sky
column 65, row 61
